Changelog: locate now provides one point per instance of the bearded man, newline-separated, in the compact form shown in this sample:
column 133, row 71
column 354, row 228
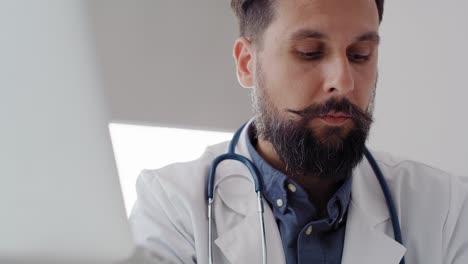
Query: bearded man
column 312, row 69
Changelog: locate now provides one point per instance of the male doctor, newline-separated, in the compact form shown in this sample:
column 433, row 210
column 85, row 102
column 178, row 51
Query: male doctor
column 312, row 67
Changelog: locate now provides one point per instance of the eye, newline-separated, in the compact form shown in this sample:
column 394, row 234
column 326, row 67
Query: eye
column 310, row 55
column 358, row 57
column 359, row 53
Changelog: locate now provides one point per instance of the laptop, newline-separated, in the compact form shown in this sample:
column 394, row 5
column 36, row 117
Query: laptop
column 60, row 197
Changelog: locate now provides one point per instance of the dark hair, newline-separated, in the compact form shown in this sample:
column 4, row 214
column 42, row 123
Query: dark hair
column 255, row 16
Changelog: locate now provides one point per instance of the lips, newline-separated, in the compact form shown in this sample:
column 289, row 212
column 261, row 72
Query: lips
column 335, row 118
column 336, row 115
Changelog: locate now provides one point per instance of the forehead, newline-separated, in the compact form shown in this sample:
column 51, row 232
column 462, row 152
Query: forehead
column 339, row 19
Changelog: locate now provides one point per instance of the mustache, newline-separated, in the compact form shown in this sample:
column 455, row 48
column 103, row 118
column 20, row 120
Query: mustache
column 333, row 105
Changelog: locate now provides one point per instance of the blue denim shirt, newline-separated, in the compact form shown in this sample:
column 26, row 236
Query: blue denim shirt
column 305, row 237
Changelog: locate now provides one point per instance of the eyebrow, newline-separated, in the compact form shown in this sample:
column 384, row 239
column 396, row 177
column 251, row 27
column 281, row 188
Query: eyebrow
column 307, row 33
column 368, row 36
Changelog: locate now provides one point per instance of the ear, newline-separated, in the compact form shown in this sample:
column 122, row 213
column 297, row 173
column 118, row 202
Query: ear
column 244, row 56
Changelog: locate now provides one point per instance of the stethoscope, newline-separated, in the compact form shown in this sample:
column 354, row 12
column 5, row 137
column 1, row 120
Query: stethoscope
column 231, row 155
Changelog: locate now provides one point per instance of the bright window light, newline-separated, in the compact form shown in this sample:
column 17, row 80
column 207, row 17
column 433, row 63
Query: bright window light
column 145, row 147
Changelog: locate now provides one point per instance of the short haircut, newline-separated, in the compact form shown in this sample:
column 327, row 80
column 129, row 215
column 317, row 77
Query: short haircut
column 256, row 15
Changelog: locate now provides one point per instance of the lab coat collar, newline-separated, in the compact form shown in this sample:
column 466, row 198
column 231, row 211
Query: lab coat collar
column 368, row 217
column 365, row 241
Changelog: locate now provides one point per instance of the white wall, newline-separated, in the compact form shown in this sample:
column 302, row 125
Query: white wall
column 170, row 63
column 421, row 105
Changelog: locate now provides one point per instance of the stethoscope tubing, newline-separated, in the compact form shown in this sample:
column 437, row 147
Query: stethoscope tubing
column 388, row 198
column 231, row 155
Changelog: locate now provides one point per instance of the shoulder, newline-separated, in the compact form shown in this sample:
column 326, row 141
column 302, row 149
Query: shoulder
column 191, row 170
column 169, row 215
column 183, row 179
column 417, row 186
column 429, row 199
column 409, row 174
column 416, row 173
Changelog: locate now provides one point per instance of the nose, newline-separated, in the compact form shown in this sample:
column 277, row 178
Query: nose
column 339, row 80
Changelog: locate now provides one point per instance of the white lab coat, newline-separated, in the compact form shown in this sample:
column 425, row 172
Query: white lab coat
column 169, row 219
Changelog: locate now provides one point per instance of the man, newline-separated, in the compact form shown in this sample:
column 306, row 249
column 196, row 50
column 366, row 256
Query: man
column 312, row 65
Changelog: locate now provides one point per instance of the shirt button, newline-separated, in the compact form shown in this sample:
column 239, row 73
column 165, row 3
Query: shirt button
column 279, row 202
column 292, row 188
column 309, row 230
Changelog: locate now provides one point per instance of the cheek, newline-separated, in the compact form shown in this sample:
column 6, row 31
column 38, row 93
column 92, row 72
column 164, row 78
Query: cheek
column 291, row 85
column 364, row 86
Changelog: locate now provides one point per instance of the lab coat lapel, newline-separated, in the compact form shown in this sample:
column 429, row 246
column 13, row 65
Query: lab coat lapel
column 239, row 235
column 368, row 217
column 242, row 243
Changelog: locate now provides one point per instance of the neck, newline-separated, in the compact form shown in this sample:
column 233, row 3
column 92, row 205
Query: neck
column 318, row 189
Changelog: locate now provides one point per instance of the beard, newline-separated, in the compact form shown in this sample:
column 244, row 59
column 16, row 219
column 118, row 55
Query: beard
column 327, row 152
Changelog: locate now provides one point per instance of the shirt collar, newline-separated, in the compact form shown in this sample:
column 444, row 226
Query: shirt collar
column 274, row 185
column 338, row 204
column 273, row 180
